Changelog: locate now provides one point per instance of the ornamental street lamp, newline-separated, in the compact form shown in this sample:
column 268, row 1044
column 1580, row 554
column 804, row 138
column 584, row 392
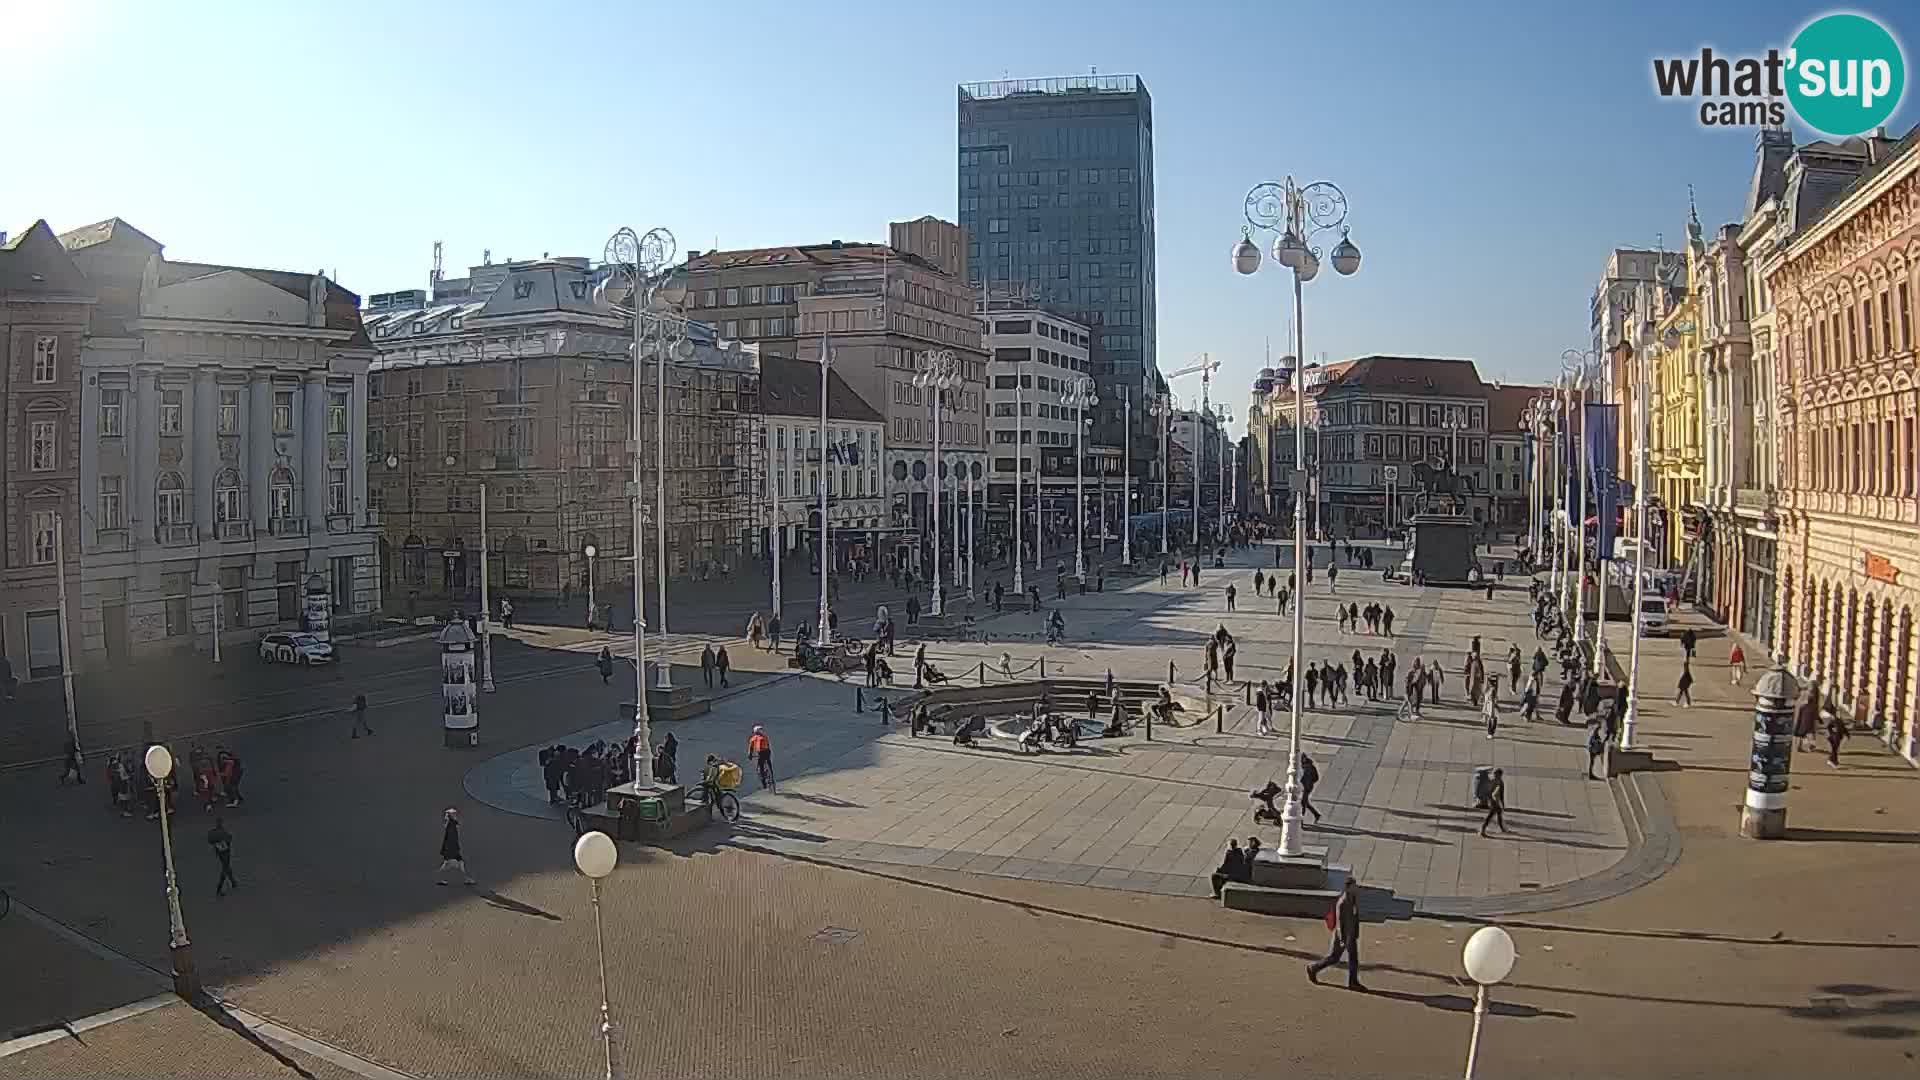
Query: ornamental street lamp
column 1162, row 410
column 1583, row 368
column 186, row 982
column 1296, row 214
column 1080, row 397
column 1126, row 484
column 592, row 610
column 639, row 284
column 940, row 373
column 594, row 855
column 1488, row 958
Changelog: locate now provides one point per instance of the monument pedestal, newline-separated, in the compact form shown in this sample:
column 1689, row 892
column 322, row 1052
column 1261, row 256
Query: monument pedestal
column 1303, row 885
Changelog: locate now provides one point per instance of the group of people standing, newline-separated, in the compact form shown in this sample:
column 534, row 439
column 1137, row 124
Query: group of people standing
column 579, row 778
column 1377, row 617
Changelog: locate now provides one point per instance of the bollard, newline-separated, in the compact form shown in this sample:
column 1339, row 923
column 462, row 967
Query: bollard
column 1209, row 684
column 859, row 699
column 1248, row 687
column 983, row 673
column 1043, row 667
column 1149, row 712
column 1220, row 720
column 1169, row 673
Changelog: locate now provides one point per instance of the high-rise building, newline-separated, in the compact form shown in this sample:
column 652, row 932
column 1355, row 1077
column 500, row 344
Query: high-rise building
column 1056, row 197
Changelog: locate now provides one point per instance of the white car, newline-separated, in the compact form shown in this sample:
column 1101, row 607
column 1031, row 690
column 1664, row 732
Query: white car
column 295, row 649
column 1653, row 615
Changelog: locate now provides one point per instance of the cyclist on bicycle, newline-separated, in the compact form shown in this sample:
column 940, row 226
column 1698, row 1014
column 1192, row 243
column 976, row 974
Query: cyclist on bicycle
column 761, row 751
column 710, row 780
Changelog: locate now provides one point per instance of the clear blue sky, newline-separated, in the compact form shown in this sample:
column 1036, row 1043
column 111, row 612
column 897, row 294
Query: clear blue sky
column 1492, row 153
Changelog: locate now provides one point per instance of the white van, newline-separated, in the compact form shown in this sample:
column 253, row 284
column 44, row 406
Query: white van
column 1653, row 615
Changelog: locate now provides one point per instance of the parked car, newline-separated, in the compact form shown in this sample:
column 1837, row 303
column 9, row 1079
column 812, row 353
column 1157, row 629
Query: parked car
column 1653, row 614
column 295, row 649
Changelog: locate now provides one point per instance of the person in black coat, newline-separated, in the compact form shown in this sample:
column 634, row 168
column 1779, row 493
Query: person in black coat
column 1233, row 867
column 1344, row 920
column 451, row 857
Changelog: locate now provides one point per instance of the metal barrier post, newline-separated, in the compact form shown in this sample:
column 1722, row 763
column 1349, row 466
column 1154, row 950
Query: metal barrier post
column 983, row 673
column 1043, row 667
column 1169, row 673
column 1220, row 720
column 859, row 699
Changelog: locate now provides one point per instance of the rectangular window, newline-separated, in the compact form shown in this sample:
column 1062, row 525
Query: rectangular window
column 110, row 401
column 43, row 538
column 1906, row 315
column 1866, row 326
column 337, row 411
column 108, row 506
column 283, row 412
column 43, row 446
column 1886, row 322
column 733, row 297
column 178, row 590
column 337, row 492
column 46, row 359
column 233, row 596
column 731, row 328
column 169, row 412
column 229, row 411
column 286, row 590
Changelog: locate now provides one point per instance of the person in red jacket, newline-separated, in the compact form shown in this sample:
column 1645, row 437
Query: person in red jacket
column 1737, row 660
column 760, row 750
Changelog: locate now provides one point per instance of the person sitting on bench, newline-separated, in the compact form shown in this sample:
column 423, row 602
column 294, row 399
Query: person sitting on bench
column 1117, row 722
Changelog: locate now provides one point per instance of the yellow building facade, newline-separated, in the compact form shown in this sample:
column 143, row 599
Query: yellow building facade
column 1674, row 442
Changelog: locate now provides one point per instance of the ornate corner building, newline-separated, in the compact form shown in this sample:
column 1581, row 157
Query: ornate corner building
column 1843, row 278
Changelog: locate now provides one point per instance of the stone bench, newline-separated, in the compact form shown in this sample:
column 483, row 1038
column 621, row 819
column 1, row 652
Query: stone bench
column 1302, row 903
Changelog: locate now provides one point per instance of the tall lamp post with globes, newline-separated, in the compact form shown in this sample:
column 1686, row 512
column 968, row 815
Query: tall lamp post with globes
column 1162, row 410
column 1296, row 214
column 186, row 982
column 1488, row 958
column 941, row 373
column 1080, row 397
column 639, row 283
column 1584, row 372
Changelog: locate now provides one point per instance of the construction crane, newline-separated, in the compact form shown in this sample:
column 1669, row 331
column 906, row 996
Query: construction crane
column 1206, row 367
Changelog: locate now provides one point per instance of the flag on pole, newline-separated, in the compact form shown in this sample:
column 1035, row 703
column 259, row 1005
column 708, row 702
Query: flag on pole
column 1601, row 431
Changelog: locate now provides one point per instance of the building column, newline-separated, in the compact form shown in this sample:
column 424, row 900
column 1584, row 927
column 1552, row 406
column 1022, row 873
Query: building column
column 143, row 446
column 201, row 437
column 86, row 524
column 260, row 448
column 312, row 434
column 357, row 449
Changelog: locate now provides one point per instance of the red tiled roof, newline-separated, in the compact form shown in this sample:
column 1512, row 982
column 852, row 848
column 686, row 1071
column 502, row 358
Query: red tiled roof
column 1442, row 376
column 1506, row 404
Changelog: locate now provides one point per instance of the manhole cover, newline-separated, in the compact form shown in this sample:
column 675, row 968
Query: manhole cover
column 836, row 935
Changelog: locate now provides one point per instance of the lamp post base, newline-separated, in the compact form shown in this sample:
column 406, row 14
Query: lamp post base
column 1290, row 818
column 1758, row 824
column 186, row 980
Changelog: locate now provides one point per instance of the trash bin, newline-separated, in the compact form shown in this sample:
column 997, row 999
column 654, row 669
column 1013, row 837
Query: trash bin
column 1482, row 785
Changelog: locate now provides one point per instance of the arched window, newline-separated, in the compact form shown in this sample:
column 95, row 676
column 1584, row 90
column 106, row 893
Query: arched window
column 226, row 497
column 281, row 484
column 170, row 500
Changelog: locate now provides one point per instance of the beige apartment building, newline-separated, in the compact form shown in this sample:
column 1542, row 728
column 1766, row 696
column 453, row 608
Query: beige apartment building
column 877, row 310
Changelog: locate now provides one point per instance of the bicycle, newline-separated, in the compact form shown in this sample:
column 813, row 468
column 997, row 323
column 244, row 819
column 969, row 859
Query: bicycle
column 721, row 800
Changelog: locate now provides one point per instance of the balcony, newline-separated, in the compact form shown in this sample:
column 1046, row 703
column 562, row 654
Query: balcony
column 167, row 535
column 231, row 531
column 287, row 526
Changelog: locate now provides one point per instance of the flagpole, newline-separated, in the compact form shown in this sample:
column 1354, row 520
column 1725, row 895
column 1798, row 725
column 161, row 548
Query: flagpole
column 824, row 632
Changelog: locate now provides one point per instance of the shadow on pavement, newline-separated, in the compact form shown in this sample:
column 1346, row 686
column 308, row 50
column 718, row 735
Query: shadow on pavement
column 216, row 1011
column 1853, row 836
column 507, row 903
column 1464, row 1003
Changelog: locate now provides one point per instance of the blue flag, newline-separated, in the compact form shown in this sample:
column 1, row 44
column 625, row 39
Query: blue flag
column 1602, row 429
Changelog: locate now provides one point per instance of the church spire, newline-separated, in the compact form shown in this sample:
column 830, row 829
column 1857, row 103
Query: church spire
column 1693, row 218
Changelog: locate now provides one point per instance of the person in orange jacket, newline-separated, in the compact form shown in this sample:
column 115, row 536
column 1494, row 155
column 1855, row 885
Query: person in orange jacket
column 760, row 750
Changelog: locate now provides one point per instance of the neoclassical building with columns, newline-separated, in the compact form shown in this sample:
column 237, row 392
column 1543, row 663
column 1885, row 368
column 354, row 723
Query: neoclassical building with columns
column 1849, row 502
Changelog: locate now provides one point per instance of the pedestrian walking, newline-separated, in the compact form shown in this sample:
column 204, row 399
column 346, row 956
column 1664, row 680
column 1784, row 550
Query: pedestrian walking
column 760, row 752
column 1386, row 619
column 1226, row 657
column 999, row 594
column 1490, row 706
column 1737, row 661
column 506, row 613
column 1689, row 639
column 1496, row 803
column 706, row 664
column 1313, row 682
column 1684, row 689
column 1596, row 745
column 1344, row 920
column 1836, row 734
column 227, row 766
column 1333, row 578
column 1513, row 664
column 913, row 610
column 721, row 664
column 360, row 716
column 1807, row 718
column 605, row 663
column 1259, row 582
column 1309, row 777
column 1261, row 697
column 1341, row 616
column 1230, row 595
column 221, row 841
column 451, row 857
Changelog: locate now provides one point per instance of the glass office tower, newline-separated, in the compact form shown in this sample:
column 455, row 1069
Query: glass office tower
column 1056, row 195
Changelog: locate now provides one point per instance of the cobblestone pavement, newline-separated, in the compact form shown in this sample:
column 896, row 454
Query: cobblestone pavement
column 1153, row 816
column 1743, row 959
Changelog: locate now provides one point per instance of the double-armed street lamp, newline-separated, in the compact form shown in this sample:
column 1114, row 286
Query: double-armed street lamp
column 1163, row 411
column 1585, row 371
column 1296, row 214
column 940, row 373
column 1080, row 397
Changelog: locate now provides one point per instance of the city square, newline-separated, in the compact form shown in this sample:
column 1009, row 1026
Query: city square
column 936, row 574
